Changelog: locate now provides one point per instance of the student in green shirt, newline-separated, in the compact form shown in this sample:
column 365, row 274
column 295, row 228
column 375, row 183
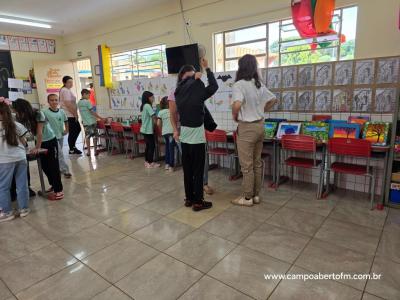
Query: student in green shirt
column 167, row 131
column 59, row 124
column 89, row 120
column 147, row 128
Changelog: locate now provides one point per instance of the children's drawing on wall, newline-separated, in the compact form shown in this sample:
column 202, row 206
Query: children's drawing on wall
column 388, row 70
column 364, row 72
column 225, row 81
column 277, row 105
column 122, row 88
column 362, row 99
column 210, row 104
column 167, row 85
column 289, row 101
column 323, row 74
column 122, row 95
column 341, row 100
column 223, row 101
column 289, row 77
column 139, row 86
column 274, row 78
column 323, row 100
column 385, row 100
column 343, row 73
column 305, row 101
column 306, row 75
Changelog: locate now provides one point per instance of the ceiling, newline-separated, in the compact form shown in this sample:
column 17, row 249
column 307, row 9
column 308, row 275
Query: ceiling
column 68, row 16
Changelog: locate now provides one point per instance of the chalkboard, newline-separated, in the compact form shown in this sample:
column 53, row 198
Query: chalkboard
column 6, row 71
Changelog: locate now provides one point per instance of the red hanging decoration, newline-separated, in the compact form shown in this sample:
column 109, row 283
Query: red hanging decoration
column 302, row 18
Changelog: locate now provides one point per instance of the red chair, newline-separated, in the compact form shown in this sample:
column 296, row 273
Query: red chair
column 137, row 137
column 217, row 144
column 343, row 147
column 119, row 137
column 321, row 117
column 304, row 144
column 103, row 134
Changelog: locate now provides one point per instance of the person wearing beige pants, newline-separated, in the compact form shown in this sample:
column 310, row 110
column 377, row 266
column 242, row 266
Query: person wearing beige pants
column 250, row 100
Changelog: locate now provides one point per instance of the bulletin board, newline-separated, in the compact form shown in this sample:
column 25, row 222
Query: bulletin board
column 27, row 44
column 6, row 71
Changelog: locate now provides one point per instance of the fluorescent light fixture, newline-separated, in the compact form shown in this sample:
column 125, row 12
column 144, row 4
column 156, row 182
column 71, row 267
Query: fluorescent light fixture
column 22, row 22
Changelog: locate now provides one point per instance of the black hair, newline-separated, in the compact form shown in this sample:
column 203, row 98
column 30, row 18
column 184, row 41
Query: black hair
column 65, row 79
column 85, row 92
column 183, row 70
column 91, row 85
column 50, row 95
column 164, row 103
column 248, row 69
column 25, row 114
column 145, row 99
column 10, row 131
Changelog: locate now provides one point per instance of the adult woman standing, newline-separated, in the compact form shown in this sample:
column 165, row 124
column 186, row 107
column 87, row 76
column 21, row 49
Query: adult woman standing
column 68, row 104
column 190, row 95
column 251, row 99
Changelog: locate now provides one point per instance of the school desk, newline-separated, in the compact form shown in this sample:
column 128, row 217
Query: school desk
column 32, row 157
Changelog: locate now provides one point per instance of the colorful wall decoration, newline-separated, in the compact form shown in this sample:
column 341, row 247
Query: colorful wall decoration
column 377, row 133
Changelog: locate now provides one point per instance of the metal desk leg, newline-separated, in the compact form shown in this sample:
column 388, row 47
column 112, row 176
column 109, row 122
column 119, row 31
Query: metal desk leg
column 42, row 191
column 380, row 204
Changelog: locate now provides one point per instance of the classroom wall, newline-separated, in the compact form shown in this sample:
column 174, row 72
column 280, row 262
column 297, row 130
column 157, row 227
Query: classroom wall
column 377, row 27
column 23, row 61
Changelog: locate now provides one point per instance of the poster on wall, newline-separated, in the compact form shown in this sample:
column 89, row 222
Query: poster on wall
column 343, row 73
column 323, row 100
column 33, row 45
column 273, row 78
column 122, row 96
column 289, row 101
column 225, row 81
column 167, row 85
column 4, row 42
column 13, row 43
column 51, row 46
column 306, row 76
column 341, row 100
column 278, row 104
column 365, row 70
column 289, row 77
column 305, row 101
column 23, row 44
column 42, row 45
column 223, row 101
column 388, row 70
column 323, row 74
column 362, row 99
column 385, row 100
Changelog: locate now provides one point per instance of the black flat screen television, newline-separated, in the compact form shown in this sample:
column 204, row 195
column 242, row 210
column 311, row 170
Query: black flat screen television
column 182, row 55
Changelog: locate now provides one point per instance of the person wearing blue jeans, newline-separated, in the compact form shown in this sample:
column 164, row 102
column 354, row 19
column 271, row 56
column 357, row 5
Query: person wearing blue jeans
column 12, row 163
column 169, row 152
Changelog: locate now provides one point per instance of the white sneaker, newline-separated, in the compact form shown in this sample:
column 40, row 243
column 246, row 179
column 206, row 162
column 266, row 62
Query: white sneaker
column 24, row 212
column 256, row 199
column 167, row 167
column 6, row 216
column 154, row 165
column 242, row 201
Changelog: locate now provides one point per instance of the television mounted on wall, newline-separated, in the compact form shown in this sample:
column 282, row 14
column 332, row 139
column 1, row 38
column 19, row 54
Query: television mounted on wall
column 182, row 55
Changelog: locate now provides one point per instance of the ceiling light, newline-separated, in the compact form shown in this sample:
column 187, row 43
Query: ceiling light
column 22, row 22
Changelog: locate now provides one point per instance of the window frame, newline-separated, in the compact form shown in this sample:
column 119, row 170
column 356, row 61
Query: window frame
column 266, row 40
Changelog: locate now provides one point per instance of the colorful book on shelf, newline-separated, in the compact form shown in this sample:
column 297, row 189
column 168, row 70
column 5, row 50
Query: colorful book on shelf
column 344, row 130
column 288, row 128
column 318, row 130
column 270, row 129
column 376, row 132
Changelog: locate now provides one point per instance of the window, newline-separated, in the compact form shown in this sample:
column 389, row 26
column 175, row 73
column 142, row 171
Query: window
column 279, row 44
column 146, row 62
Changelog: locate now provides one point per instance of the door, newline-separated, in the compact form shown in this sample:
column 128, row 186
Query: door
column 49, row 76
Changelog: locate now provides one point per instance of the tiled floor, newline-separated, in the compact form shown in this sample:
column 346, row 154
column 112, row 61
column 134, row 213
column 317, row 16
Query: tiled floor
column 122, row 232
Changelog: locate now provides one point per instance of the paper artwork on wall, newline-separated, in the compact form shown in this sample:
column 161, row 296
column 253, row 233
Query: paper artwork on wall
column 318, row 130
column 13, row 43
column 123, row 96
column 323, row 100
column 42, row 46
column 289, row 101
column 376, row 132
column 343, row 130
column 362, row 99
column 274, row 78
column 341, row 100
column 278, row 104
column 306, row 76
column 167, row 85
column 225, row 81
column 343, row 73
column 223, row 101
column 323, row 74
column 365, row 70
column 305, row 101
column 385, row 100
column 270, row 129
column 288, row 128
column 289, row 77
column 388, row 70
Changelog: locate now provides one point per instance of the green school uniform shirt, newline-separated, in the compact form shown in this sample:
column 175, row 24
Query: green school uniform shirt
column 166, row 122
column 56, row 120
column 147, row 120
column 47, row 133
column 193, row 135
column 85, row 109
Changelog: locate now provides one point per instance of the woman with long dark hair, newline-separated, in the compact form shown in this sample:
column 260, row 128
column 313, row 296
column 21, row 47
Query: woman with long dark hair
column 250, row 100
column 147, row 129
column 190, row 95
column 68, row 104
column 37, row 123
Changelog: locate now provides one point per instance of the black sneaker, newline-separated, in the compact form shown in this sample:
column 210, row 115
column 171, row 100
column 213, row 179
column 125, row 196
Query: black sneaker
column 188, row 203
column 75, row 151
column 201, row 206
column 31, row 193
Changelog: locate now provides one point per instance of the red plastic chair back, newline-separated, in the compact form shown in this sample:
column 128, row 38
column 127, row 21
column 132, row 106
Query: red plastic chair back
column 217, row 136
column 101, row 125
column 136, row 128
column 117, row 127
column 350, row 147
column 157, row 130
column 303, row 143
column 321, row 117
